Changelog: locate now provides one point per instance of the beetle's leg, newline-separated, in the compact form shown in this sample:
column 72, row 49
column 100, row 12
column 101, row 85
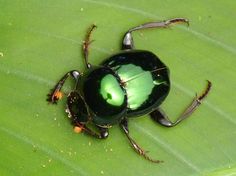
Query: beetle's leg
column 86, row 44
column 56, row 93
column 101, row 134
column 136, row 147
column 128, row 39
column 159, row 116
column 79, row 114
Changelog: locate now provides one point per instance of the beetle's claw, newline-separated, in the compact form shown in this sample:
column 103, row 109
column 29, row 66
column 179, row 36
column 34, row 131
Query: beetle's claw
column 54, row 96
column 177, row 20
column 51, row 100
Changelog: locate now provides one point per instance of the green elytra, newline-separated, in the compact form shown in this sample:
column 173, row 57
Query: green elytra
column 138, row 83
column 138, row 88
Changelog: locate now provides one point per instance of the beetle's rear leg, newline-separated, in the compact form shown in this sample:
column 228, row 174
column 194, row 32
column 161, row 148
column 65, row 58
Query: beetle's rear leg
column 79, row 114
column 56, row 93
column 128, row 42
column 86, row 43
column 136, row 147
column 159, row 116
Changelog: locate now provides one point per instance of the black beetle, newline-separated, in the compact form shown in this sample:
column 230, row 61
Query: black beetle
column 128, row 84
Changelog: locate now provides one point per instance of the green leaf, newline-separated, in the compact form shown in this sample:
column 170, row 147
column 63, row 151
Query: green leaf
column 41, row 40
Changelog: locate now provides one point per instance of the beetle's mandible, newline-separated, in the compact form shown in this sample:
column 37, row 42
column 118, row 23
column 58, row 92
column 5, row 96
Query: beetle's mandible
column 128, row 84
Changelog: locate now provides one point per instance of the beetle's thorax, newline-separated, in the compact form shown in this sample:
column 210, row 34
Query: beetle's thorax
column 104, row 94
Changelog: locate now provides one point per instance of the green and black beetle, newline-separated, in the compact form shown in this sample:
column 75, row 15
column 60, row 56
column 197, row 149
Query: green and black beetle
column 128, row 84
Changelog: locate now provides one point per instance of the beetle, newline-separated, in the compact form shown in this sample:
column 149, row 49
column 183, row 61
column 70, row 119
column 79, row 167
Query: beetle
column 128, row 84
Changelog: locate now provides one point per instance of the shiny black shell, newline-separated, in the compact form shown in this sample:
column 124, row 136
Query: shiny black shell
column 147, row 66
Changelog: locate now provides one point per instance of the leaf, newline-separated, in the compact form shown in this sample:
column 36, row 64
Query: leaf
column 41, row 40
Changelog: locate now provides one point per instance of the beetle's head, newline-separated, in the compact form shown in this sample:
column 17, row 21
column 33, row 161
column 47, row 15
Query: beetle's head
column 77, row 109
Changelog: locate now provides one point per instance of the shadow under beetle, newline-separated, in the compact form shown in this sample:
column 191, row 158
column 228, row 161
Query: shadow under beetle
column 128, row 84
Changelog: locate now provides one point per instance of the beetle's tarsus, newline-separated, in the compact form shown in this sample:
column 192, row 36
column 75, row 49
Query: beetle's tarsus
column 86, row 44
column 152, row 160
column 206, row 92
column 177, row 20
column 128, row 43
column 54, row 96
column 136, row 147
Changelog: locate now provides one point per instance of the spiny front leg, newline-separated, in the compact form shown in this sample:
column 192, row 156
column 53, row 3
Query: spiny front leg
column 56, row 93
